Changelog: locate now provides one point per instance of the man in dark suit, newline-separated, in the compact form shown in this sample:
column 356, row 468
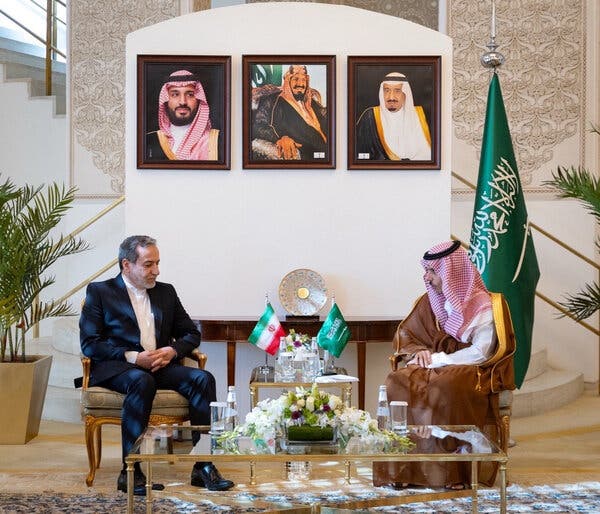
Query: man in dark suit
column 135, row 331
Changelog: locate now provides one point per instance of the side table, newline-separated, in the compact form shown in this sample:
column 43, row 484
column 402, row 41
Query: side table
column 258, row 381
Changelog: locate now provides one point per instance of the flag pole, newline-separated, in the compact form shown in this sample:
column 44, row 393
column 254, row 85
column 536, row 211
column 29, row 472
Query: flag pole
column 265, row 369
column 508, row 264
column 492, row 58
column 328, row 358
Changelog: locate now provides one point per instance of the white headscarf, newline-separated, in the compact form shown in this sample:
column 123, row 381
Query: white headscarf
column 462, row 287
column 402, row 129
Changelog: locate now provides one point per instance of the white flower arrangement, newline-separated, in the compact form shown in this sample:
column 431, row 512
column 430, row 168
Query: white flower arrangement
column 267, row 421
column 297, row 343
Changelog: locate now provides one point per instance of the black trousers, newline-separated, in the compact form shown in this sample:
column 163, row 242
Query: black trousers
column 139, row 387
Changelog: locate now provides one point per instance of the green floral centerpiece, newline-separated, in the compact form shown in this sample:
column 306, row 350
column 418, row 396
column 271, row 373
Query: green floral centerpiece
column 312, row 415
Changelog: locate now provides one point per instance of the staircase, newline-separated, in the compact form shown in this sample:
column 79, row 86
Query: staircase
column 545, row 388
column 21, row 63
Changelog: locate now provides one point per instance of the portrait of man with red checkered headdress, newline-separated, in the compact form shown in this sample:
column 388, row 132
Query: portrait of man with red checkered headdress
column 185, row 129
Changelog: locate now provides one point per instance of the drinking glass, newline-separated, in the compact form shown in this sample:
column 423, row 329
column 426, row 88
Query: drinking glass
column 217, row 417
column 286, row 366
column 312, row 367
column 398, row 414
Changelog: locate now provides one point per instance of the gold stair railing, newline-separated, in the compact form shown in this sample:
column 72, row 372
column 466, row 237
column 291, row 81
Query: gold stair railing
column 52, row 21
column 94, row 276
column 540, row 295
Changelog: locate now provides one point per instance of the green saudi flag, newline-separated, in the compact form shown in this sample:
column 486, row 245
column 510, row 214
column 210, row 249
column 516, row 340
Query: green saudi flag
column 334, row 333
column 262, row 74
column 501, row 244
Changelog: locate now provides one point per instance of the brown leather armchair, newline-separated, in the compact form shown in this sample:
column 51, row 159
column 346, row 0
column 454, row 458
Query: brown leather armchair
column 493, row 376
column 101, row 406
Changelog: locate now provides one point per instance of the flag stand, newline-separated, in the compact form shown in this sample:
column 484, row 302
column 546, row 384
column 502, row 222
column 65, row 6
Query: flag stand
column 265, row 370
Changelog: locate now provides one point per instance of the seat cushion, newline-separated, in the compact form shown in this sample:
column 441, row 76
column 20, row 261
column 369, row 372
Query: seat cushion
column 102, row 402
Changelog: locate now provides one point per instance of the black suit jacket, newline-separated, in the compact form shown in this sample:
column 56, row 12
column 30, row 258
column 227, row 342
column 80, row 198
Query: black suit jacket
column 108, row 327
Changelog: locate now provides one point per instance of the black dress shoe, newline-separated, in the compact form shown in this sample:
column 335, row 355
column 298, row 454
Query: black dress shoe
column 208, row 476
column 139, row 483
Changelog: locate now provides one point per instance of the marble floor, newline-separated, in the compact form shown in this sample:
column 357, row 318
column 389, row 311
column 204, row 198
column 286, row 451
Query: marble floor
column 557, row 447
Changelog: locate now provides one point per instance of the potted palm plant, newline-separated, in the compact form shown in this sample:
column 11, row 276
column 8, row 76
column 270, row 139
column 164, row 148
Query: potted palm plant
column 580, row 184
column 28, row 215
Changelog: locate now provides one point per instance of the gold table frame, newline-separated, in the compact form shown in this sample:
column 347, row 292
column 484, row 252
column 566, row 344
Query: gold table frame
column 154, row 433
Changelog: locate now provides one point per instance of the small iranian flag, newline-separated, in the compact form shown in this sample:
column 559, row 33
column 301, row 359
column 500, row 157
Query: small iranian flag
column 267, row 331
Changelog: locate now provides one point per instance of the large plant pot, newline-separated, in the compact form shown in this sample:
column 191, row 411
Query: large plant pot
column 22, row 392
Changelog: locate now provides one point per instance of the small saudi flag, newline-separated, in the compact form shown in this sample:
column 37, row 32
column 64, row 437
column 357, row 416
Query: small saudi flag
column 334, row 333
column 267, row 331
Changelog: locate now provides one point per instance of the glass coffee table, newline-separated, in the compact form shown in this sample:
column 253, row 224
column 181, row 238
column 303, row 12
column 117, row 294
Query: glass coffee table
column 167, row 443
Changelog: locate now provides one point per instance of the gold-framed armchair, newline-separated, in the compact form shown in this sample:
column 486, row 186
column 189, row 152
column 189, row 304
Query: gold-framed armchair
column 495, row 376
column 101, row 406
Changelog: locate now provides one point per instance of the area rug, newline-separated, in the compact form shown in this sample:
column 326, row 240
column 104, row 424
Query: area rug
column 567, row 498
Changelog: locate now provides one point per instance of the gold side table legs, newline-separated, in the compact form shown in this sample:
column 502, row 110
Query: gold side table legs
column 474, row 486
column 149, row 488
column 130, row 485
column 503, row 488
column 347, row 465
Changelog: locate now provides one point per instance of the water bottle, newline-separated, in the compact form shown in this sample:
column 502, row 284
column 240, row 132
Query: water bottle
column 383, row 409
column 282, row 344
column 231, row 416
column 314, row 346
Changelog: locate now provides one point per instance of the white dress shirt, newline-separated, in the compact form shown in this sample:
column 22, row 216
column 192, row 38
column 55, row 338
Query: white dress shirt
column 145, row 319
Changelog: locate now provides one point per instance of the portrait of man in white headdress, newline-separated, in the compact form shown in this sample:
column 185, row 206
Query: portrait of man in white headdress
column 396, row 129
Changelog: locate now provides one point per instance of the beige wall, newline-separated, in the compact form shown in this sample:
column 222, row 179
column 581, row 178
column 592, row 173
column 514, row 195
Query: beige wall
column 549, row 82
column 227, row 237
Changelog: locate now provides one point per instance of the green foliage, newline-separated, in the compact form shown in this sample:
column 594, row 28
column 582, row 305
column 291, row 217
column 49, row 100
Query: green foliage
column 27, row 217
column 582, row 185
column 585, row 303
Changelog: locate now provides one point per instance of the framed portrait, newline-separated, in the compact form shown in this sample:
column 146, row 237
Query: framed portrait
column 394, row 112
column 288, row 111
column 183, row 112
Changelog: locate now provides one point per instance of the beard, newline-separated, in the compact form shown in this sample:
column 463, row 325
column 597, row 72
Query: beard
column 299, row 96
column 179, row 120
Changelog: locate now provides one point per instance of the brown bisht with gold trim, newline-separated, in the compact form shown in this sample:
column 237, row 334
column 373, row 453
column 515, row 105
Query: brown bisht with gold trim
column 448, row 395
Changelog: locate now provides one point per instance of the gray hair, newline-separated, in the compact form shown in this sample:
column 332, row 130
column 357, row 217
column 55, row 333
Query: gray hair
column 128, row 248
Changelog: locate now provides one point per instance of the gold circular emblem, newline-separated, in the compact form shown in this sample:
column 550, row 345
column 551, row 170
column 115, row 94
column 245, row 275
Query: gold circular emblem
column 303, row 293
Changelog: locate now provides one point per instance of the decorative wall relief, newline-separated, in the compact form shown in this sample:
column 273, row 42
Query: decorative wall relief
column 543, row 78
column 97, row 82
column 417, row 11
